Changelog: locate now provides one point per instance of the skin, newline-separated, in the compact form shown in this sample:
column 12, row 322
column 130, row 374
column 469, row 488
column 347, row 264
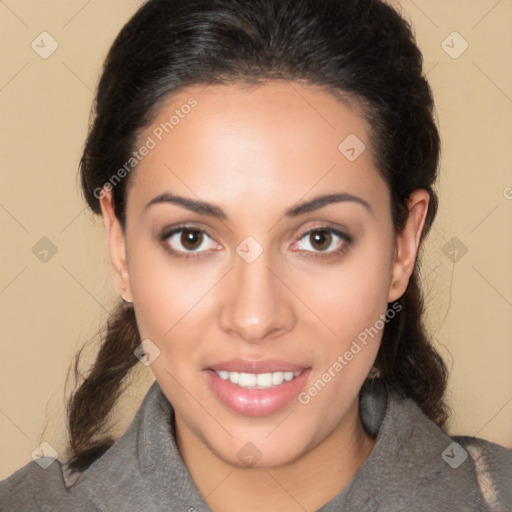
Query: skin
column 255, row 152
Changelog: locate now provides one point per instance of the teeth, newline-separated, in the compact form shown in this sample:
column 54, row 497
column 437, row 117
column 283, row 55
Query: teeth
column 264, row 380
column 247, row 380
column 288, row 376
column 257, row 380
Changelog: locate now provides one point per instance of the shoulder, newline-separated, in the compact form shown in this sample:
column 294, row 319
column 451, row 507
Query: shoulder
column 114, row 481
column 416, row 462
column 36, row 488
column 493, row 469
column 463, row 465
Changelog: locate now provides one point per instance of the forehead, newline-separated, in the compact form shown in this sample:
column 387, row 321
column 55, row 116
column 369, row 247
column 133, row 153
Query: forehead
column 279, row 137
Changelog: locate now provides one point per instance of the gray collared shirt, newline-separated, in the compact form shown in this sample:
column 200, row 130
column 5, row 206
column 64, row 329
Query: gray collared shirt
column 414, row 466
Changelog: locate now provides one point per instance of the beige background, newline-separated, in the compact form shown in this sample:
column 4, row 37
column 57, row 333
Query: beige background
column 49, row 309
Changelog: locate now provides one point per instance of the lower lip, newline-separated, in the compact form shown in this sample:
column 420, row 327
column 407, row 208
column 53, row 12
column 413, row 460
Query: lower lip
column 256, row 402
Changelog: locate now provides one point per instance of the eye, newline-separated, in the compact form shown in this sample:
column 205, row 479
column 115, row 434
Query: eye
column 183, row 241
column 322, row 240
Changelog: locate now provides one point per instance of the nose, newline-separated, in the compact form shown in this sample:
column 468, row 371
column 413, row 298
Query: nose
column 257, row 305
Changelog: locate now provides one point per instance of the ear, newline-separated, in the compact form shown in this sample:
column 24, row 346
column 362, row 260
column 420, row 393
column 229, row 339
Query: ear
column 116, row 245
column 407, row 243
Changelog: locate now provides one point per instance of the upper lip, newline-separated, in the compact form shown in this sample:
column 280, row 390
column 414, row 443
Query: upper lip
column 256, row 366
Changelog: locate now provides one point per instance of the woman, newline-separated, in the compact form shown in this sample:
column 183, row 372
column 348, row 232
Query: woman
column 265, row 174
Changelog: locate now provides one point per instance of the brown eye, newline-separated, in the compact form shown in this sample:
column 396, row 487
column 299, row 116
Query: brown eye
column 188, row 241
column 191, row 239
column 320, row 240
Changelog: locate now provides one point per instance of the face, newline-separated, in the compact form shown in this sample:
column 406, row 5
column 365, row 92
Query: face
column 260, row 256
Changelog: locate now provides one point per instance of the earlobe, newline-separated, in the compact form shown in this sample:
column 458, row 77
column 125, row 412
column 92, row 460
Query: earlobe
column 116, row 246
column 407, row 243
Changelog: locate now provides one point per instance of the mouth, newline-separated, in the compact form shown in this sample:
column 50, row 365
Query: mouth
column 256, row 388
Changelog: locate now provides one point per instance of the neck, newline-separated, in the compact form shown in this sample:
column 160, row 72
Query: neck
column 307, row 483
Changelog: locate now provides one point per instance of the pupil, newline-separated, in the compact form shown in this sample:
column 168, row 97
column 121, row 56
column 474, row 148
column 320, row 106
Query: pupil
column 191, row 239
column 320, row 239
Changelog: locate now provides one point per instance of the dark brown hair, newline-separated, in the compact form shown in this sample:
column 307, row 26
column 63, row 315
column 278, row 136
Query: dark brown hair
column 362, row 49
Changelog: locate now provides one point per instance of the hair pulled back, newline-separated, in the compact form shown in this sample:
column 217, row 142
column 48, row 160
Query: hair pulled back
column 362, row 49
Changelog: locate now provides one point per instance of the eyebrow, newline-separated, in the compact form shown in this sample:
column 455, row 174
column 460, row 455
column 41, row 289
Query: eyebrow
column 201, row 207
column 324, row 200
column 205, row 208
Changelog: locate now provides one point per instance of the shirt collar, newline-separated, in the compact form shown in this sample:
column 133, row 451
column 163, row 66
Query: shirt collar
column 146, row 466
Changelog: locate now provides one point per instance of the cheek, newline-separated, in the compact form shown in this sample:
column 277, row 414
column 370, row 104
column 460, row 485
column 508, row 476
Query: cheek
column 350, row 297
column 166, row 298
column 352, row 306
column 164, row 291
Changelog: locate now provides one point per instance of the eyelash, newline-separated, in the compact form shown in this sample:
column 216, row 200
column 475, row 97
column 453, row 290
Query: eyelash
column 347, row 242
